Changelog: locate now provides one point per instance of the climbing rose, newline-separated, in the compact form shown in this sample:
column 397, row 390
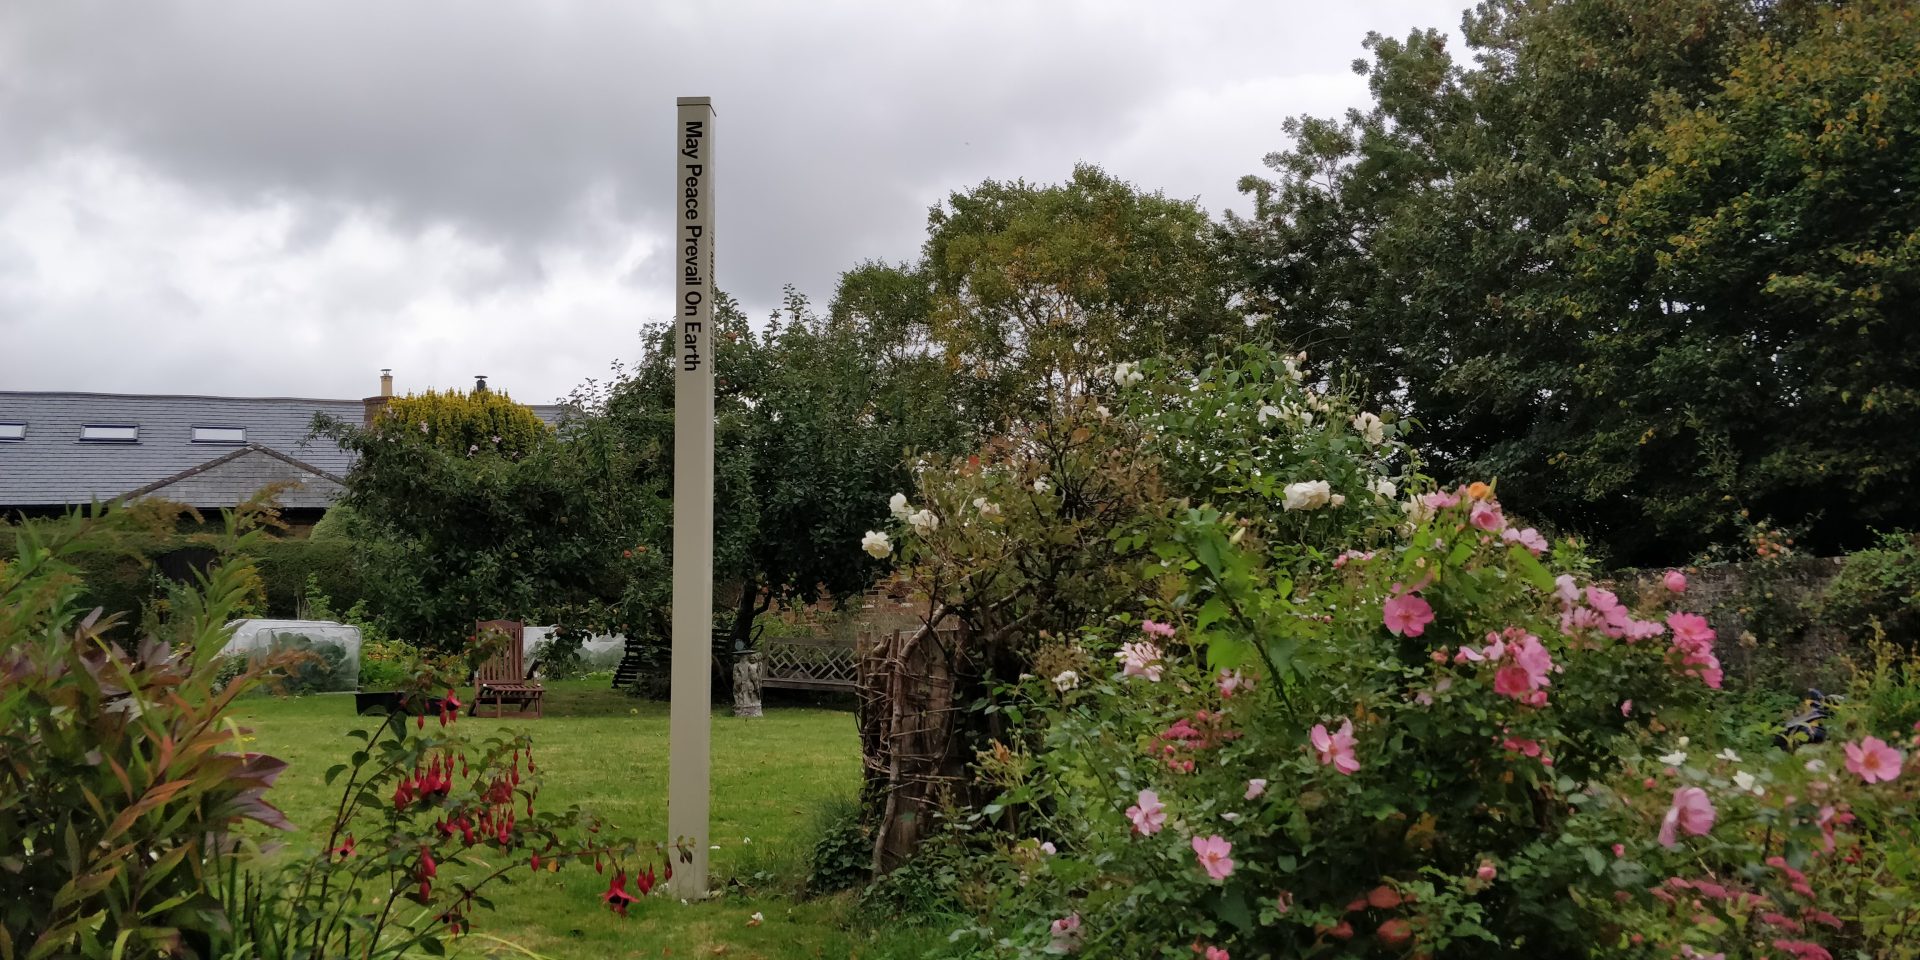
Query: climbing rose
column 1407, row 615
column 1335, row 748
column 1486, row 871
column 1215, row 953
column 1487, row 517
column 924, row 521
column 1675, row 581
column 1256, row 787
column 898, row 506
column 1382, row 487
column 1147, row 814
column 1212, row 853
column 1307, row 495
column 1065, row 934
column 1066, row 680
column 1141, row 659
column 1369, row 426
column 1873, row 760
column 877, row 545
column 1232, row 682
column 1528, row 538
column 1692, row 811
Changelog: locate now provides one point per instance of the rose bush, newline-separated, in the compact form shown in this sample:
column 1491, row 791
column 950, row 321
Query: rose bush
column 1335, row 752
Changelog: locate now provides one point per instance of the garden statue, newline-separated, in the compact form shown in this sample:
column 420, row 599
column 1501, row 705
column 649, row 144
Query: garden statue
column 747, row 675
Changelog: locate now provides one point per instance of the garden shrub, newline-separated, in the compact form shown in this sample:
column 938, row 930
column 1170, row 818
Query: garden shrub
column 841, row 849
column 118, row 780
column 1879, row 590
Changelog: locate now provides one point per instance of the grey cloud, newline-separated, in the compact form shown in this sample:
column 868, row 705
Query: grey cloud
column 535, row 128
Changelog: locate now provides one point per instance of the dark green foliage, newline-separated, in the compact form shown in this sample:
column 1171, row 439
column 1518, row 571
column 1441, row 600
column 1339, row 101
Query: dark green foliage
column 1878, row 590
column 292, row 569
column 541, row 532
column 842, row 856
column 1642, row 260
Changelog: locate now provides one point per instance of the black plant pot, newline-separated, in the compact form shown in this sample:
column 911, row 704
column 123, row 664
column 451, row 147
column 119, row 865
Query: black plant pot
column 390, row 702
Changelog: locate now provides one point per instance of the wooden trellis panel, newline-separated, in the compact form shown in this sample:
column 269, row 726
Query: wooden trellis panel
column 809, row 663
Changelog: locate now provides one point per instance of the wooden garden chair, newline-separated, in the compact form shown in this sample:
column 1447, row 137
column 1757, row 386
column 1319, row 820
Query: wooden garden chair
column 503, row 678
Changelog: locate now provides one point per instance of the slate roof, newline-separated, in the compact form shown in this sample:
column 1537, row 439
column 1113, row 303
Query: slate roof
column 52, row 466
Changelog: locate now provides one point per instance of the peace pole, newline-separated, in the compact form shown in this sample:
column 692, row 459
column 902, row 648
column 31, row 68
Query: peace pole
column 689, row 716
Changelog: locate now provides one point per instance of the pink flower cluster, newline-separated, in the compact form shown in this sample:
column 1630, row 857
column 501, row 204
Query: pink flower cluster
column 1693, row 641
column 1524, row 677
column 1185, row 738
column 1140, row 659
column 1601, row 611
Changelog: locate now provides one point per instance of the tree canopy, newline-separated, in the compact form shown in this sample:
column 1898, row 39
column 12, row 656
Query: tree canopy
column 1634, row 259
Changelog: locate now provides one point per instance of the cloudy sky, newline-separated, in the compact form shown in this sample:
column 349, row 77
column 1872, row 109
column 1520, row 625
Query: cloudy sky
column 279, row 198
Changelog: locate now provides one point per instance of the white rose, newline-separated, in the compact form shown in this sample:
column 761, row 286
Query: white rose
column 1382, row 487
column 1066, row 680
column 1417, row 510
column 1127, row 373
column 924, row 522
column 1292, row 365
column 1337, row 500
column 877, row 545
column 1370, row 427
column 1308, row 495
column 1101, row 409
column 986, row 507
column 898, row 506
column 1269, row 412
column 1041, row 485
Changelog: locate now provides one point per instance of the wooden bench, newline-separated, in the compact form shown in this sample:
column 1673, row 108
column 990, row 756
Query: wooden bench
column 503, row 678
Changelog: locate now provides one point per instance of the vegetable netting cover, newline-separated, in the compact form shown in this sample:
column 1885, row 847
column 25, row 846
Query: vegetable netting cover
column 330, row 652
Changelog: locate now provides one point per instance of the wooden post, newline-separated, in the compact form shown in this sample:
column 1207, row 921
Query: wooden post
column 690, row 721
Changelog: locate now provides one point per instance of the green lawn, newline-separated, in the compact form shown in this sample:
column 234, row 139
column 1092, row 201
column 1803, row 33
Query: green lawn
column 607, row 751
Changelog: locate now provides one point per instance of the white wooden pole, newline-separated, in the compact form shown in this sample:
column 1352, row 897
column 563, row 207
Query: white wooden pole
column 690, row 715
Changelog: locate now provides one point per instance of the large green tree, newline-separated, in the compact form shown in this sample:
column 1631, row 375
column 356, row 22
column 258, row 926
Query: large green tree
column 816, row 420
column 1450, row 245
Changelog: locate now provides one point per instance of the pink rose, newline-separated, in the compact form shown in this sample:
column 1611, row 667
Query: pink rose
column 1873, row 760
column 1692, row 811
column 1487, row 517
column 1486, row 873
column 1335, row 748
column 1675, row 581
column 1256, row 787
column 1148, row 815
column 1212, row 852
column 1407, row 615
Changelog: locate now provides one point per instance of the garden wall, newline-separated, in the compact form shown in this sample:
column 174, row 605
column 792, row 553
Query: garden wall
column 1770, row 616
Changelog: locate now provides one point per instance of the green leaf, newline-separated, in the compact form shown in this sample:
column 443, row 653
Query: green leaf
column 335, row 771
column 1595, row 861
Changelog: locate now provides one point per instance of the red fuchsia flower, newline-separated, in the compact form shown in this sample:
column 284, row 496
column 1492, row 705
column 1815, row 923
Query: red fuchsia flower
column 1874, row 761
column 1335, row 748
column 1486, row 516
column 1141, row 659
column 1064, row 934
column 1395, row 932
column 616, row 895
column 1803, row 950
column 1692, row 811
column 1675, row 581
column 1212, row 853
column 1148, row 815
column 345, row 849
column 403, row 794
column 1154, row 628
column 1407, row 615
column 645, row 881
column 428, row 868
column 1255, row 788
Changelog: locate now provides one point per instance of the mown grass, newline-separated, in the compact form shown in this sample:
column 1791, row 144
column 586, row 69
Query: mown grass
column 608, row 752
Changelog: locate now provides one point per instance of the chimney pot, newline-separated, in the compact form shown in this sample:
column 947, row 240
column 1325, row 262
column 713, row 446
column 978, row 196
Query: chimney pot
column 386, row 381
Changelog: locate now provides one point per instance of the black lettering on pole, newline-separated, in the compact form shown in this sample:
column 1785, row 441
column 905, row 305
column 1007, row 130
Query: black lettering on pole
column 693, row 279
